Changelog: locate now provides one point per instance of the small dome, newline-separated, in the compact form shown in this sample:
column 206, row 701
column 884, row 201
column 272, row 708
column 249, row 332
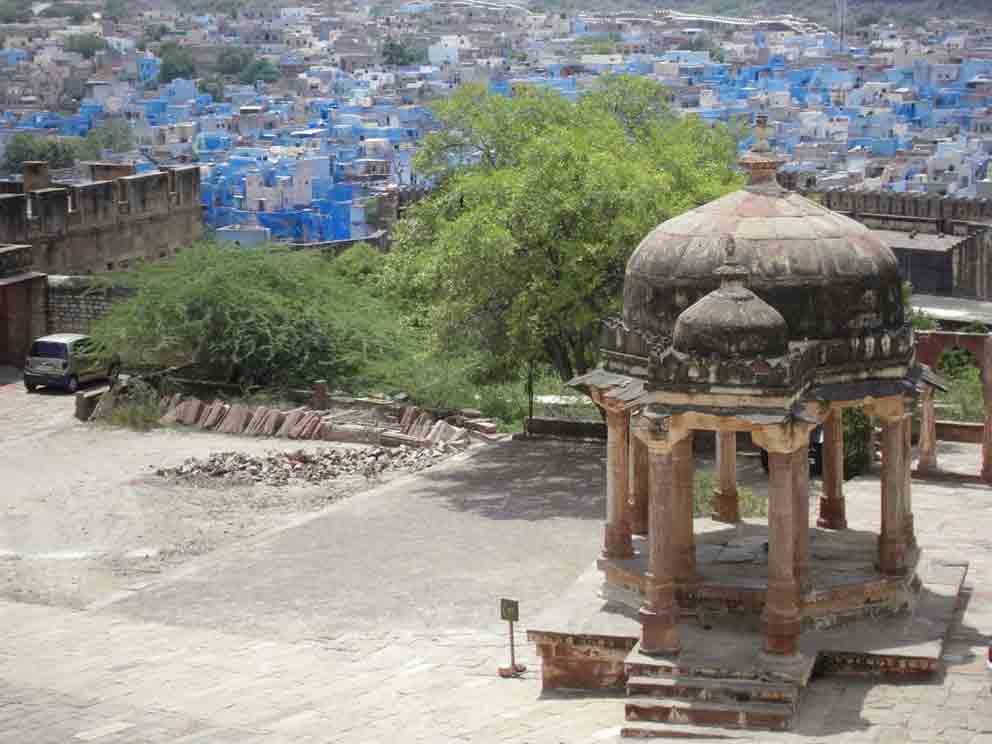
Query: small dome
column 731, row 321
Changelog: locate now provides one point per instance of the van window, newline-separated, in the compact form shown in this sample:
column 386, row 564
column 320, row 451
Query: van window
column 49, row 349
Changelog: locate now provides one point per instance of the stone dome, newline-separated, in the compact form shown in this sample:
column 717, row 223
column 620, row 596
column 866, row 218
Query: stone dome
column 731, row 322
column 826, row 274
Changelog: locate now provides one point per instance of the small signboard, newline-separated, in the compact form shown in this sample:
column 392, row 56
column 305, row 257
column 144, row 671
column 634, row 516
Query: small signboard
column 509, row 610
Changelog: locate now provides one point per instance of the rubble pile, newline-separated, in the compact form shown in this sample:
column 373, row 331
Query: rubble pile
column 317, row 466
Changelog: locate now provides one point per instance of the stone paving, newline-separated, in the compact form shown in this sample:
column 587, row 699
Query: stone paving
column 374, row 621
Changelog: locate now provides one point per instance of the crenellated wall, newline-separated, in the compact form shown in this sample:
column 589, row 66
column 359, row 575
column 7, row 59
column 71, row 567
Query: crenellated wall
column 105, row 225
column 969, row 268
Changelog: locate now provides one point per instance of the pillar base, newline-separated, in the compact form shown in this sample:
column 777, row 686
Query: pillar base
column 727, row 509
column 832, row 514
column 659, row 633
column 618, row 544
column 892, row 556
column 788, row 666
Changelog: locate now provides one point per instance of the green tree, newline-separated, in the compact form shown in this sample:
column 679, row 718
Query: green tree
column 234, row 60
column 259, row 69
column 177, row 62
column 115, row 136
column 520, row 254
column 59, row 152
column 115, row 9
column 400, row 54
column 214, row 85
column 85, row 44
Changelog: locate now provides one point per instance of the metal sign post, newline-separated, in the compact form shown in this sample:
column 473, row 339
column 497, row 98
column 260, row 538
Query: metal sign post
column 509, row 610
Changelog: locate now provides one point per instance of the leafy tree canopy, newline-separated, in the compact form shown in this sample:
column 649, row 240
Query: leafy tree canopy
column 85, row 44
column 214, row 85
column 259, row 69
column 523, row 247
column 177, row 62
column 115, row 136
column 400, row 54
column 59, row 152
column 233, row 60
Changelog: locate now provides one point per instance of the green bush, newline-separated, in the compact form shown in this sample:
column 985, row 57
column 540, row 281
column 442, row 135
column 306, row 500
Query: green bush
column 133, row 406
column 857, row 430
column 256, row 317
column 751, row 504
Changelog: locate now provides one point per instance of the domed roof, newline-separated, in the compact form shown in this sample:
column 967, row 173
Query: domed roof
column 828, row 275
column 731, row 321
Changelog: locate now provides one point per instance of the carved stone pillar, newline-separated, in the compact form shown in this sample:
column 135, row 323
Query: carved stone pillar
column 907, row 488
column 928, row 432
column 833, row 512
column 681, row 527
column 660, row 614
column 800, row 492
column 726, row 506
column 640, row 486
column 788, row 455
column 617, row 542
column 895, row 462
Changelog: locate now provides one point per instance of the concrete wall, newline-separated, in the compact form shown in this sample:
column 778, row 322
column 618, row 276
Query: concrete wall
column 75, row 302
column 105, row 225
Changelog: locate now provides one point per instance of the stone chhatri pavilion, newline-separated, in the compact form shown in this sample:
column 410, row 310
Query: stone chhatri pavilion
column 760, row 312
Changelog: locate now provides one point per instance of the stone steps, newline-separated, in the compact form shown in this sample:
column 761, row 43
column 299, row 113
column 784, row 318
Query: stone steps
column 682, row 696
column 723, row 690
column 766, row 716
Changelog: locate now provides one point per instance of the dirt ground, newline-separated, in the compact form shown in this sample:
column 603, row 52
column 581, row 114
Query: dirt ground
column 83, row 515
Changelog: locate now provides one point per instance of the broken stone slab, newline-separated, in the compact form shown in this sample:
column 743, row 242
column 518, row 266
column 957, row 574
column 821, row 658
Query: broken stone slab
column 189, row 411
column 408, row 417
column 168, row 403
column 349, row 433
column 213, row 415
column 289, row 422
column 171, row 414
column 237, row 419
column 87, row 400
column 445, row 433
column 483, row 426
column 399, row 439
column 422, row 426
column 257, row 419
column 272, row 422
column 305, row 424
column 312, row 428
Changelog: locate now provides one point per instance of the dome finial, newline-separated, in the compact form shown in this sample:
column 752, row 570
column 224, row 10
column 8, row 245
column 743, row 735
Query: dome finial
column 731, row 273
column 760, row 162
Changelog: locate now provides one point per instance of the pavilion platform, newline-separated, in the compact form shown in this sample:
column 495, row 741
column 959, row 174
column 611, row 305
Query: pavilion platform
column 856, row 622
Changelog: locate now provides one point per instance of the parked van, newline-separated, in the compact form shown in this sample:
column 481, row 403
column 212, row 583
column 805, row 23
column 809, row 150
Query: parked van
column 65, row 360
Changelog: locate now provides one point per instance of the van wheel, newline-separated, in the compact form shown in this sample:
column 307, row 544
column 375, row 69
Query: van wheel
column 30, row 387
column 72, row 385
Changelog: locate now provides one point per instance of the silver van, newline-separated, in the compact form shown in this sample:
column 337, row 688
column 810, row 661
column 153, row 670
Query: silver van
column 65, row 360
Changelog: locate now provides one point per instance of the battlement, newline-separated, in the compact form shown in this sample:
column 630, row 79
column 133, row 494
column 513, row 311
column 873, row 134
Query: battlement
column 88, row 228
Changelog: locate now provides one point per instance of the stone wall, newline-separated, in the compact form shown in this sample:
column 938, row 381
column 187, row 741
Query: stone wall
column 75, row 302
column 967, row 269
column 105, row 225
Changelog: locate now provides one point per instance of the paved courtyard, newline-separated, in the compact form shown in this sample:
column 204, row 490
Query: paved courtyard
column 365, row 618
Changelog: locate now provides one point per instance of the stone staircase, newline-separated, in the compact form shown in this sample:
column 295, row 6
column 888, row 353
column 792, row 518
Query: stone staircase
column 666, row 699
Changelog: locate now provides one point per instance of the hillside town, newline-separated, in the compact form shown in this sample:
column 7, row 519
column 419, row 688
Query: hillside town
column 303, row 120
column 495, row 371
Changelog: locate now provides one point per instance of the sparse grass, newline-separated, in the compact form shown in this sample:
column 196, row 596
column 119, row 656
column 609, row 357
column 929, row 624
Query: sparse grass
column 136, row 415
column 751, row 504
